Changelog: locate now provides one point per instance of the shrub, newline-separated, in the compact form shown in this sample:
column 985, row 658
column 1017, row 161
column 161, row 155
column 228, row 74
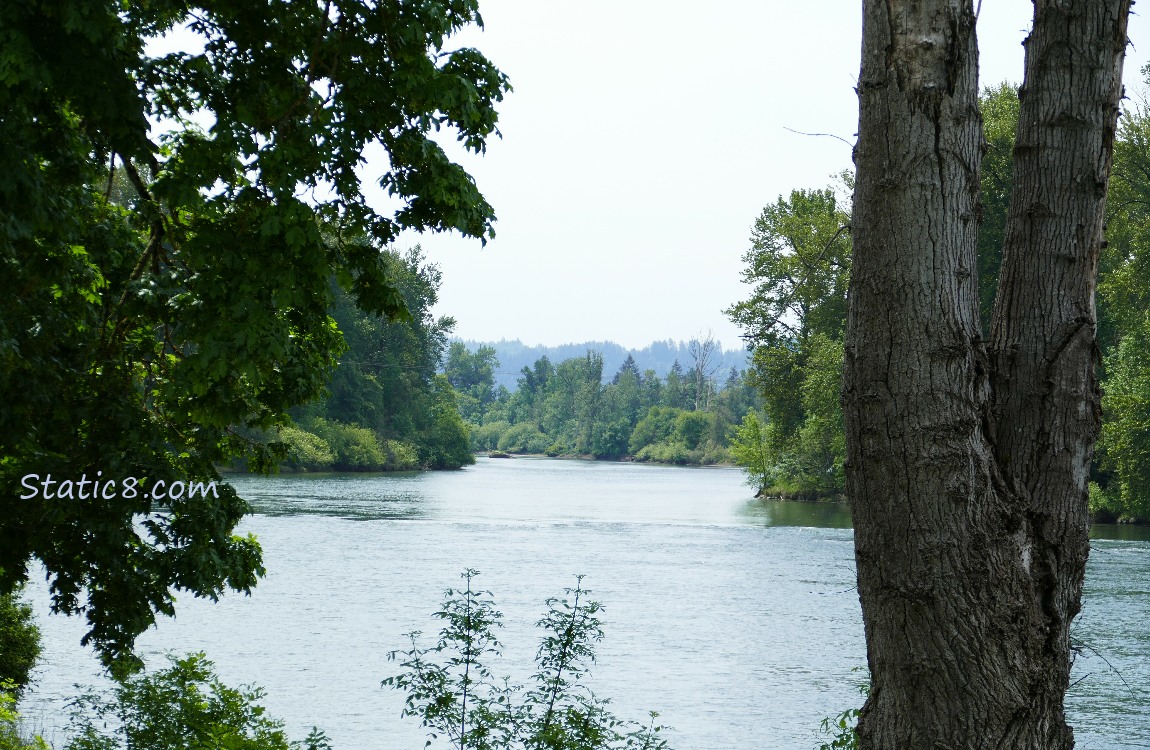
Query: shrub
column 355, row 448
column 524, row 438
column 841, row 728
column 610, row 441
column 19, row 642
column 183, row 706
column 486, row 437
column 306, row 450
column 668, row 452
column 691, row 427
column 10, row 736
column 656, row 426
column 453, row 692
column 401, row 456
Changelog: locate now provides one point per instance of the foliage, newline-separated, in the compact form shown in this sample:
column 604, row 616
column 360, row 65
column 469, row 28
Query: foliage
column 473, row 378
column 798, row 264
column 159, row 292
column 841, row 728
column 19, row 642
column 355, row 448
column 670, row 452
column 523, row 438
column 656, row 426
column 751, row 450
column 1123, row 449
column 183, row 706
column 11, row 737
column 568, row 409
column 446, row 440
column 1124, row 445
column 386, row 390
column 486, row 437
column 306, row 450
column 452, row 690
column 999, row 106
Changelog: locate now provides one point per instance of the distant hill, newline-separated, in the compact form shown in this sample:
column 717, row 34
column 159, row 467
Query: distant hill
column 659, row 356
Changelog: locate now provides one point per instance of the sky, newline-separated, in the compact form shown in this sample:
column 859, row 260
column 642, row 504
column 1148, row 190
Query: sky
column 641, row 142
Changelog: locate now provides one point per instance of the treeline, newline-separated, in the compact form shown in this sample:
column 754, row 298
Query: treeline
column 688, row 417
column 659, row 356
column 799, row 266
column 389, row 408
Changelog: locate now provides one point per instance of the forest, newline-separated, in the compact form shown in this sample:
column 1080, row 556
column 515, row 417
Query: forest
column 566, row 409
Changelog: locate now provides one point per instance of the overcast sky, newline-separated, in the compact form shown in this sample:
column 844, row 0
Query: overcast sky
column 642, row 140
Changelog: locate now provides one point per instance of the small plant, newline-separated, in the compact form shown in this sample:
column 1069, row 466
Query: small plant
column 456, row 697
column 19, row 642
column 841, row 728
column 842, row 731
column 179, row 708
column 11, row 737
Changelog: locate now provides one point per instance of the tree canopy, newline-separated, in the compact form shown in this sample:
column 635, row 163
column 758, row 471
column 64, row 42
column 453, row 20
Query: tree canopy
column 171, row 226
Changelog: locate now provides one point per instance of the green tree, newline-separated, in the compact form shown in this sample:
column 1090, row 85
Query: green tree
column 751, row 450
column 473, row 378
column 160, row 291
column 387, row 383
column 183, row 706
column 19, row 642
column 798, row 265
column 999, row 107
column 1125, row 438
column 1123, row 299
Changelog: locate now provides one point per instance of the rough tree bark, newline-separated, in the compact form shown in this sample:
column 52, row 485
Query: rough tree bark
column 967, row 462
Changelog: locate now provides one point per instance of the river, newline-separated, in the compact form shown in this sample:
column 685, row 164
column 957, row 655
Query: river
column 737, row 620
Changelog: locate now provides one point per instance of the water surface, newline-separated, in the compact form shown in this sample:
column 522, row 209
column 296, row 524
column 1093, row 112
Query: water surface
column 736, row 619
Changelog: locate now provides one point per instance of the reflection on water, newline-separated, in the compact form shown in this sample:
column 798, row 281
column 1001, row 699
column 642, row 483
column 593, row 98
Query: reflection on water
column 736, row 619
column 779, row 513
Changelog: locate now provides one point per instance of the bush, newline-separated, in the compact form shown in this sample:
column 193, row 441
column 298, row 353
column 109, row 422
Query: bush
column 486, row 437
column 454, row 693
column 524, row 438
column 841, row 728
column 610, row 440
column 401, row 456
column 355, row 448
column 691, row 427
column 19, row 642
column 656, row 426
column 715, row 454
column 184, row 706
column 446, row 443
column 10, row 735
column 306, row 451
column 668, row 452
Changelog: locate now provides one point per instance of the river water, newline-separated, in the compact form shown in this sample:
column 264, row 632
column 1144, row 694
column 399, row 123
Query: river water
column 735, row 619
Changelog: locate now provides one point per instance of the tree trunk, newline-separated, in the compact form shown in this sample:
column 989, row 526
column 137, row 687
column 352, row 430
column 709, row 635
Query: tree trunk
column 967, row 471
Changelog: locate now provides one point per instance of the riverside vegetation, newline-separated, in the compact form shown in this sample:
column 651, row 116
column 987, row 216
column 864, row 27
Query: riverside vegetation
column 688, row 417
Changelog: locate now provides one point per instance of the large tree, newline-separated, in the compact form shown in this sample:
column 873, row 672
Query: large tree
column 968, row 459
column 171, row 223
